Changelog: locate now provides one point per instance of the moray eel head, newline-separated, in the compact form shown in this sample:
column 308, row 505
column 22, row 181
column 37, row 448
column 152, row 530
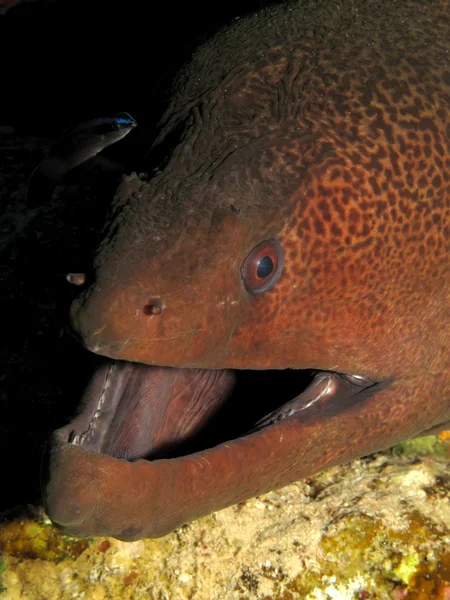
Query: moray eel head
column 274, row 299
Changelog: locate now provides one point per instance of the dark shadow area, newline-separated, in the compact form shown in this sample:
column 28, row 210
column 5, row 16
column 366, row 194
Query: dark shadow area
column 63, row 62
column 256, row 395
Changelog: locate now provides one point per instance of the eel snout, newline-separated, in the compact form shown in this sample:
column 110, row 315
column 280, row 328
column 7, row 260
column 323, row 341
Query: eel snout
column 183, row 423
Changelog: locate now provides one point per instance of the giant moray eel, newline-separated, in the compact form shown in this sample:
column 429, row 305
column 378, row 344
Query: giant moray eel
column 300, row 222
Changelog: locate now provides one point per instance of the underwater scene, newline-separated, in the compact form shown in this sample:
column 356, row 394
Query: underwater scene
column 224, row 235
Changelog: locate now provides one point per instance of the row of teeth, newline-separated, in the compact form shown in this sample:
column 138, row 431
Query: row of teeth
column 78, row 439
column 289, row 412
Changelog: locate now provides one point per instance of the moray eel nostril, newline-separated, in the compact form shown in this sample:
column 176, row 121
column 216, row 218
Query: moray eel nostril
column 275, row 299
column 76, row 278
column 155, row 308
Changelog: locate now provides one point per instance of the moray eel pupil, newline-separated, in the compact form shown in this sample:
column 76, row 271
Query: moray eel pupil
column 264, row 268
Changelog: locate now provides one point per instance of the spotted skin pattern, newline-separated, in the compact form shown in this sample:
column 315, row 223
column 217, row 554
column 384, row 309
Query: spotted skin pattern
column 325, row 125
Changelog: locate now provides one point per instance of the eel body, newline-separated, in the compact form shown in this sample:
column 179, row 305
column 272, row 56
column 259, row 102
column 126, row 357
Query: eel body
column 300, row 229
column 77, row 144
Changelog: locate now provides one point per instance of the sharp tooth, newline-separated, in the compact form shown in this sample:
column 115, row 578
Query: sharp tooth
column 74, row 439
column 358, row 379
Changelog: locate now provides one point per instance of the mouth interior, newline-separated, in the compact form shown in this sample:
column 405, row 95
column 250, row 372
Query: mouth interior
column 133, row 411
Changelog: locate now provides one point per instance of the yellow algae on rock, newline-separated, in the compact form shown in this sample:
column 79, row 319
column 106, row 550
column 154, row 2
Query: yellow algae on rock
column 25, row 538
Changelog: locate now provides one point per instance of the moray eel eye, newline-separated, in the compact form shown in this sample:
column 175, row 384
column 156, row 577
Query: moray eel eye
column 263, row 267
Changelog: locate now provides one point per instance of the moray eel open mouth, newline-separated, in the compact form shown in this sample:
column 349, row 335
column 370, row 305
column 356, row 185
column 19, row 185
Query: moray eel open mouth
column 131, row 411
column 152, row 447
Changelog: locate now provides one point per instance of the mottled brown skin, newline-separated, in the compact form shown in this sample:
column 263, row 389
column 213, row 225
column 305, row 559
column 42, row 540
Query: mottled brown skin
column 325, row 125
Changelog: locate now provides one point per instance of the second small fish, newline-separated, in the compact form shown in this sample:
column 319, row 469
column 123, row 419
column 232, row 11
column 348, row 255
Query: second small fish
column 77, row 144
